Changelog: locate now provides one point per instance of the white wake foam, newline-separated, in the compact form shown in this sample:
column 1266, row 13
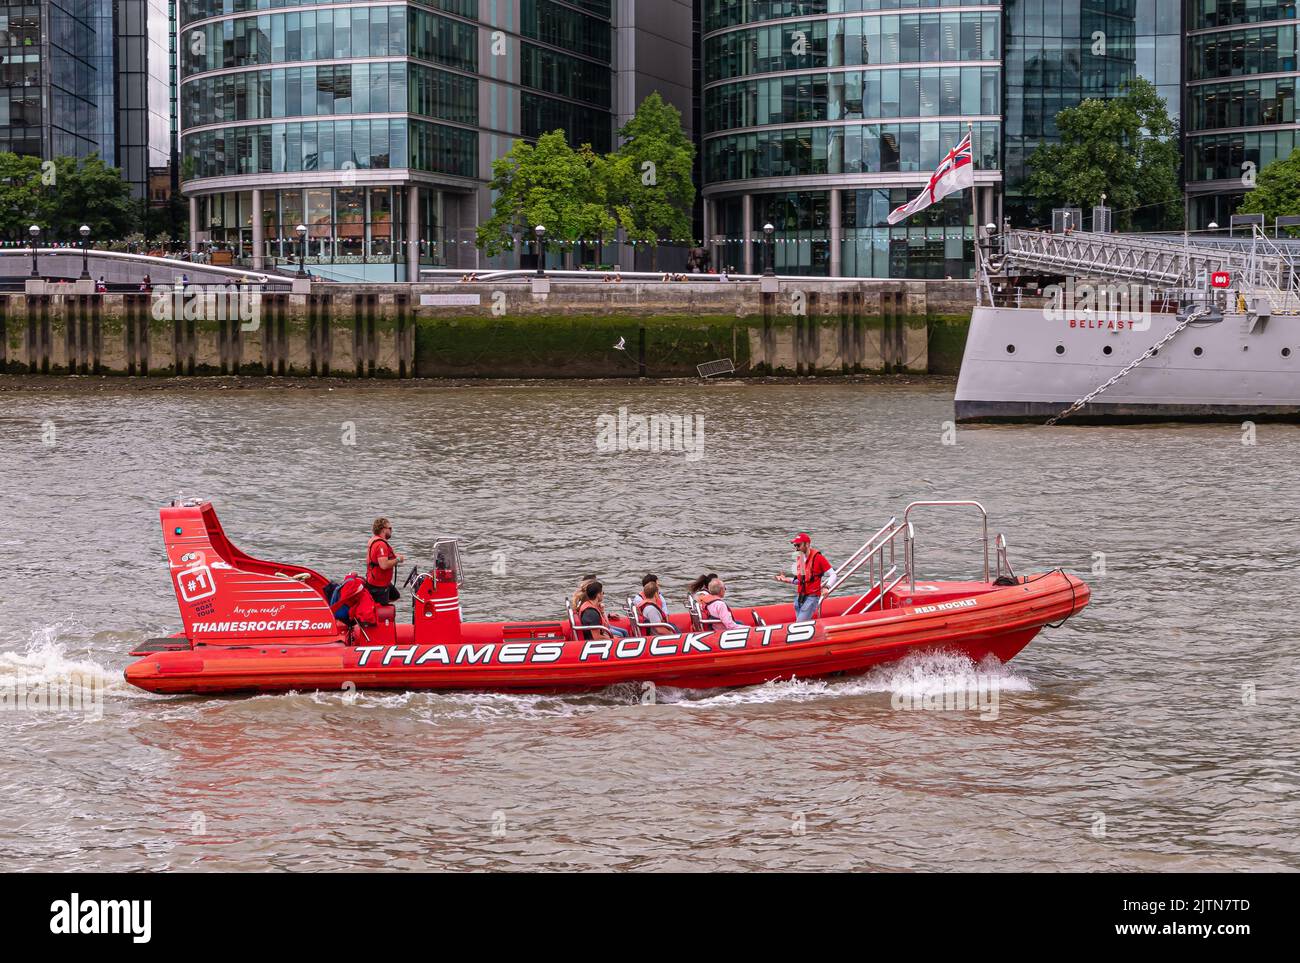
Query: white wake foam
column 44, row 661
column 917, row 675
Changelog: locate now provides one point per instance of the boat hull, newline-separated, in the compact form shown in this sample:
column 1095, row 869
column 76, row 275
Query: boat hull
column 974, row 619
column 1237, row 369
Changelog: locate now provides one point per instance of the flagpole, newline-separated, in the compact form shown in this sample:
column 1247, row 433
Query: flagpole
column 975, row 216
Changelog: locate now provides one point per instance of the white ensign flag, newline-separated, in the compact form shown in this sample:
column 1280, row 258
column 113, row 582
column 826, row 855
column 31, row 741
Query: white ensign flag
column 954, row 173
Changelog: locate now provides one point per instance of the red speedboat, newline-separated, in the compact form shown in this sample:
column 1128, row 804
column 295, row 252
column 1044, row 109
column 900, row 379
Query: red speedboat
column 255, row 626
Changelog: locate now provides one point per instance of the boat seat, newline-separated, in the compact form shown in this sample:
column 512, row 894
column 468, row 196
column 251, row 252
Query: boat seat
column 642, row 626
column 699, row 623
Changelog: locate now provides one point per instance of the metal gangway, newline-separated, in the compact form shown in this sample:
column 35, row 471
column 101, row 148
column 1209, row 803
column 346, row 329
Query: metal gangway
column 882, row 558
column 1262, row 273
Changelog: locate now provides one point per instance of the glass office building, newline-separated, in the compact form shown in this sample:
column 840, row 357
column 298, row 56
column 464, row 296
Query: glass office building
column 821, row 116
column 82, row 77
column 56, row 79
column 1059, row 52
column 1239, row 102
column 375, row 124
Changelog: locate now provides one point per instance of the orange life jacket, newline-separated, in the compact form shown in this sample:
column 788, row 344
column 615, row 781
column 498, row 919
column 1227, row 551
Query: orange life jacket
column 589, row 604
column 705, row 600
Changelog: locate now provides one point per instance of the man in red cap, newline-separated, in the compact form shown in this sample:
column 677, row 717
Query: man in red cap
column 809, row 568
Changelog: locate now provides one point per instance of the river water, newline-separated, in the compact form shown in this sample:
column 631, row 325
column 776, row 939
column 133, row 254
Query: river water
column 1157, row 730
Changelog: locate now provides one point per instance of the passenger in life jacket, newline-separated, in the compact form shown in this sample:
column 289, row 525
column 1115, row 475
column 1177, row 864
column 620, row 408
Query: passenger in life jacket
column 713, row 604
column 651, row 607
column 810, row 587
column 580, row 593
column 700, row 585
column 592, row 612
column 381, row 560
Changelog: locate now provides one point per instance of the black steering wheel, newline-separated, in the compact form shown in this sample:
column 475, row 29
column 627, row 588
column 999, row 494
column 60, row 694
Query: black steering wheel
column 415, row 570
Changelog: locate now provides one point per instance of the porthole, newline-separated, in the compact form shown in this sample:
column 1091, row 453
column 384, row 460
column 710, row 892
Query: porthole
column 1286, row 352
column 1107, row 350
column 1198, row 351
column 1011, row 349
column 1060, row 349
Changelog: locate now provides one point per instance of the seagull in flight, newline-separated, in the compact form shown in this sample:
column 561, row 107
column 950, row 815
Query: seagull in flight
column 622, row 345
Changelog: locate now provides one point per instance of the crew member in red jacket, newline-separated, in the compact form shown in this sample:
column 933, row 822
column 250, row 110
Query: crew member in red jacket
column 381, row 560
column 810, row 587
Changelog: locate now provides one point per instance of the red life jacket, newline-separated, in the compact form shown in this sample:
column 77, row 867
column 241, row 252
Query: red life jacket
column 807, row 582
column 353, row 595
column 375, row 575
column 658, row 602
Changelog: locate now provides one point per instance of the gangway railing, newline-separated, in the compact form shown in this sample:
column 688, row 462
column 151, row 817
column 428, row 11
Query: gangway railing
column 1274, row 273
column 880, row 556
column 1137, row 258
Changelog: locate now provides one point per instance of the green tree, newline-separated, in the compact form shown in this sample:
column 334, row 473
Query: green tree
column 62, row 196
column 1125, row 147
column 20, row 195
column 547, row 183
column 1277, row 190
column 92, row 193
column 650, row 191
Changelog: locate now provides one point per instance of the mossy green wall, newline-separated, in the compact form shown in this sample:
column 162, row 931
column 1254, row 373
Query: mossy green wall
column 947, row 342
column 579, row 345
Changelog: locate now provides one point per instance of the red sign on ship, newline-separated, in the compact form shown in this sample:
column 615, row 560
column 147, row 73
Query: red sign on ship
column 1220, row 279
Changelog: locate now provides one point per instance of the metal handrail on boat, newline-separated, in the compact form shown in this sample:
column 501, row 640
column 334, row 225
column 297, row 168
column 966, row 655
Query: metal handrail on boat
column 878, row 554
column 879, row 579
column 1000, row 548
column 984, row 537
column 870, row 553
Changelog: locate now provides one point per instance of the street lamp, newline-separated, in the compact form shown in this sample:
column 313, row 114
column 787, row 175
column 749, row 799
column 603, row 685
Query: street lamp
column 85, row 252
column 1213, row 226
column 540, row 231
column 302, row 250
column 770, row 270
column 35, row 232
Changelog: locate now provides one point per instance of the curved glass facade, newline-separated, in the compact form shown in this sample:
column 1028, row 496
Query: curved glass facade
column 850, row 42
column 1240, row 99
column 855, row 95
column 329, row 33
column 344, row 145
column 719, row 14
column 852, row 149
column 328, row 89
column 834, row 92
column 376, row 105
